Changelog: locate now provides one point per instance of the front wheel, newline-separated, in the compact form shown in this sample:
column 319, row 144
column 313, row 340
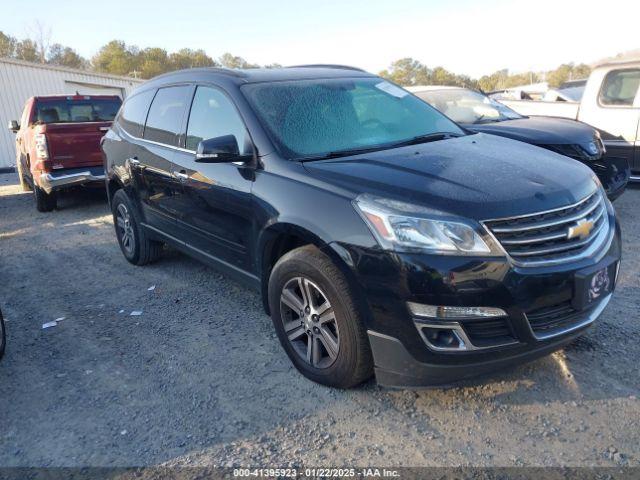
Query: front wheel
column 317, row 322
column 24, row 185
column 134, row 242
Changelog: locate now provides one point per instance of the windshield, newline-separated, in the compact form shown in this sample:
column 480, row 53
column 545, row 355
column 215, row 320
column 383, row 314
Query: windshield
column 68, row 110
column 315, row 118
column 468, row 106
column 574, row 94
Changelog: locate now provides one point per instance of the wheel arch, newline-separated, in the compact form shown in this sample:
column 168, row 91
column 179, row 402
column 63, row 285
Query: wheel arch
column 280, row 238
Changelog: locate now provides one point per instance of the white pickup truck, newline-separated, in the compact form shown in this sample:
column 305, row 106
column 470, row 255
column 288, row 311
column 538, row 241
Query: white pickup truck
column 610, row 103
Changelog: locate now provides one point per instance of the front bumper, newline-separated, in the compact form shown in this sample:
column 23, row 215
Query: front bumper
column 540, row 302
column 70, row 177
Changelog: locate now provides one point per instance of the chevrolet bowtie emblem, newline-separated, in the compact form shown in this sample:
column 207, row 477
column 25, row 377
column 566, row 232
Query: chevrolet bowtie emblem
column 581, row 229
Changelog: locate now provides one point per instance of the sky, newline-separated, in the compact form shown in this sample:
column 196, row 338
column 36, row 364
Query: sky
column 466, row 37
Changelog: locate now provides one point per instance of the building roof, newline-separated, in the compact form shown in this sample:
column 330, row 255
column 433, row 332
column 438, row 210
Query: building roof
column 46, row 66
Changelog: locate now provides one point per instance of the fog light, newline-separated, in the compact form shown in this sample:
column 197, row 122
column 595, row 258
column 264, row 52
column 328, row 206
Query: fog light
column 441, row 312
column 442, row 338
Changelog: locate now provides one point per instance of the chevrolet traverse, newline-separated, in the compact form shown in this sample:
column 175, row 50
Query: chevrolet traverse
column 383, row 238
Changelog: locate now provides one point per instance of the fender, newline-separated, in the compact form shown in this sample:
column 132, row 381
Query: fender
column 268, row 241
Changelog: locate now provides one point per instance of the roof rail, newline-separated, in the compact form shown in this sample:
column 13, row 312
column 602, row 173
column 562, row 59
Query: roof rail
column 328, row 65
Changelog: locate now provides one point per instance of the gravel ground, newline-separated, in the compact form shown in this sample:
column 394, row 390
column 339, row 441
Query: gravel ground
column 200, row 379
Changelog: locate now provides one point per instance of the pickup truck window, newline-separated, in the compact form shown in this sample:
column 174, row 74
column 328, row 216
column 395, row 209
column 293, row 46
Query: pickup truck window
column 72, row 110
column 164, row 121
column 620, row 88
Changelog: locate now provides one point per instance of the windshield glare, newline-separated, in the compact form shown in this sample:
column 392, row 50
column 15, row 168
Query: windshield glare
column 66, row 110
column 467, row 106
column 309, row 118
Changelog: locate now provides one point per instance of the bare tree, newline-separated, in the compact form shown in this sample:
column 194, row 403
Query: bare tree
column 41, row 35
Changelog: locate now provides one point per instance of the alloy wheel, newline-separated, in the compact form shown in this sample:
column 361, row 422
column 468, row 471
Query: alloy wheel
column 309, row 322
column 127, row 235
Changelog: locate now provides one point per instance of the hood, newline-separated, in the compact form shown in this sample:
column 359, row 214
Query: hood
column 539, row 130
column 476, row 176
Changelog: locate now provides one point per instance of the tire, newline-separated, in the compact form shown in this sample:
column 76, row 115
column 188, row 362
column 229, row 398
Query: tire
column 24, row 185
column 134, row 242
column 45, row 202
column 307, row 267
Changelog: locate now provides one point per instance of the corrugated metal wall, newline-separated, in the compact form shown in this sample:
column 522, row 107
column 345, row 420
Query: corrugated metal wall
column 21, row 80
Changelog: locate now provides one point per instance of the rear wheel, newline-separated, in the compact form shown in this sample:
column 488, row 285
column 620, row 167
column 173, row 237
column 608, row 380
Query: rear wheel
column 317, row 322
column 134, row 242
column 45, row 202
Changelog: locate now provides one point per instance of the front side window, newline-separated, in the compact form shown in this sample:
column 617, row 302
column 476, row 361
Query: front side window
column 468, row 106
column 310, row 118
column 73, row 110
column 134, row 112
column 620, row 88
column 164, row 121
column 213, row 115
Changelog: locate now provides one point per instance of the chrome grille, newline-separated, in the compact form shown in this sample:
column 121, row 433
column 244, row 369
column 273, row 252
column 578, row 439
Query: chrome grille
column 543, row 238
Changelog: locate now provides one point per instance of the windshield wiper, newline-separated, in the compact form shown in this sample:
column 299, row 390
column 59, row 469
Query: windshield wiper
column 341, row 153
column 429, row 137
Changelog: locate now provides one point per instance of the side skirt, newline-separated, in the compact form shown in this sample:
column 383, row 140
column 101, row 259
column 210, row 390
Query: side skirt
column 241, row 276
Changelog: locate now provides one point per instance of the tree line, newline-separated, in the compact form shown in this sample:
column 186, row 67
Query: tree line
column 118, row 58
column 408, row 72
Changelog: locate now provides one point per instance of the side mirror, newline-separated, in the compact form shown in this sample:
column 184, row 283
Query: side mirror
column 218, row 150
column 14, row 126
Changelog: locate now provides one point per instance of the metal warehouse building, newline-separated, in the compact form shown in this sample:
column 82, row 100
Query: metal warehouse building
column 20, row 80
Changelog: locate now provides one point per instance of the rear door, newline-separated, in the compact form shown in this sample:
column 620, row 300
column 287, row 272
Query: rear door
column 153, row 155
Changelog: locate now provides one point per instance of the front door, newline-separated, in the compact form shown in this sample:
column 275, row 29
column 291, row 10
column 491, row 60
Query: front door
column 216, row 215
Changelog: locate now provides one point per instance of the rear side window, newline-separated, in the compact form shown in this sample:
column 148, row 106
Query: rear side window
column 165, row 115
column 134, row 112
column 213, row 115
column 620, row 88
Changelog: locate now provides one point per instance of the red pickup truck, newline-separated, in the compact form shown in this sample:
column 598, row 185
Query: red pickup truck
column 58, row 143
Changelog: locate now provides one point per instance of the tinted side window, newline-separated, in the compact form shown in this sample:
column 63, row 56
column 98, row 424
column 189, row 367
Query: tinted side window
column 166, row 114
column 620, row 88
column 134, row 112
column 214, row 115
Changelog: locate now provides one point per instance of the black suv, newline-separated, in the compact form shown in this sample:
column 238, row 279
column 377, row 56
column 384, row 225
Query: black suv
column 382, row 236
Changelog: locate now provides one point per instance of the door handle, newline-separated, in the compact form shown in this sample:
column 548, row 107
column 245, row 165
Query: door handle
column 181, row 175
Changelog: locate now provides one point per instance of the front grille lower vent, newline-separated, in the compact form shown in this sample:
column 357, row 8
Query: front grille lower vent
column 485, row 333
column 553, row 236
column 549, row 321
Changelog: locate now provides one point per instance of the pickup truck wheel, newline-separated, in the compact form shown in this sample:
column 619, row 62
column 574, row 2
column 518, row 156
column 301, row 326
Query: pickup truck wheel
column 317, row 322
column 134, row 242
column 45, row 202
column 24, row 185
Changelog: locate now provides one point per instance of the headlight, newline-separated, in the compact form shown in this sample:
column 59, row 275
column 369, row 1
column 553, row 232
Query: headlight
column 401, row 226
